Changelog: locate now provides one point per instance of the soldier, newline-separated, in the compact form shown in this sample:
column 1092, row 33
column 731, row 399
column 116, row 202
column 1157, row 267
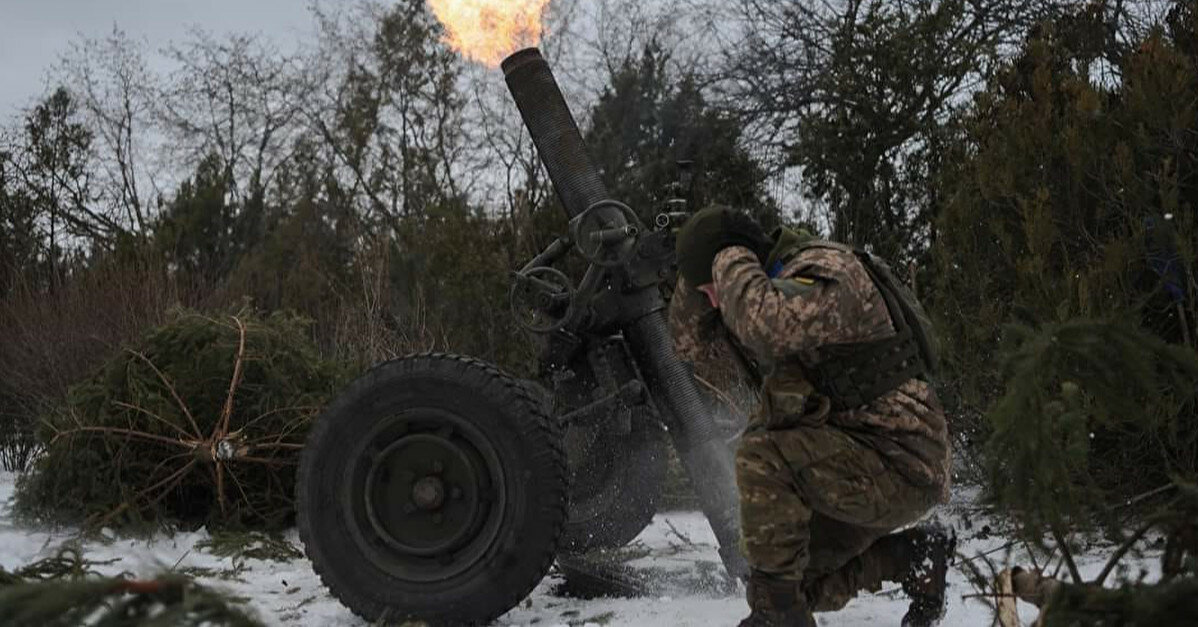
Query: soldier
column 849, row 441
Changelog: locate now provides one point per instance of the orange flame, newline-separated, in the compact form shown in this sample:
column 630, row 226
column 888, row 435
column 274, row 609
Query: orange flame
column 489, row 30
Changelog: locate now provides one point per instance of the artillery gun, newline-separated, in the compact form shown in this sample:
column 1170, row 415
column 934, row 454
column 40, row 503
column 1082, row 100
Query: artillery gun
column 438, row 488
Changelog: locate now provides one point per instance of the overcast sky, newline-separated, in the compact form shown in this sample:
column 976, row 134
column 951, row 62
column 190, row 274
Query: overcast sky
column 33, row 33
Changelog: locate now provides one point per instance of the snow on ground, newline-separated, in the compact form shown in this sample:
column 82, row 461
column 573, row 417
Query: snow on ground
column 289, row 593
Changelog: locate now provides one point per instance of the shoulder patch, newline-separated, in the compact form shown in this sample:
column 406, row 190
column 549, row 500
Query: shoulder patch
column 794, row 286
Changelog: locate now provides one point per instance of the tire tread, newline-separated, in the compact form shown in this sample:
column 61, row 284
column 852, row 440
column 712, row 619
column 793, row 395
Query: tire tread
column 535, row 425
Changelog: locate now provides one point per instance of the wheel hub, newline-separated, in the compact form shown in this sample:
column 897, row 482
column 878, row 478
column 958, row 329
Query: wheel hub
column 407, row 489
column 429, row 493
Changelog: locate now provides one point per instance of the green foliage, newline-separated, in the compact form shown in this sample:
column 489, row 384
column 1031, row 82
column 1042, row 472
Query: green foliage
column 196, row 231
column 169, row 600
column 1173, row 600
column 397, row 124
column 648, row 119
column 243, row 545
column 1092, row 410
column 65, row 590
column 305, row 258
column 20, row 239
column 860, row 95
column 43, row 193
column 452, row 273
column 68, row 563
column 200, row 423
column 870, row 151
column 1067, row 196
column 1174, row 603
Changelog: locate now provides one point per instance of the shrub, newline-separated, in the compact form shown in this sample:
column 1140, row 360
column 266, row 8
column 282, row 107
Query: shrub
column 199, row 423
column 1067, row 195
column 1092, row 411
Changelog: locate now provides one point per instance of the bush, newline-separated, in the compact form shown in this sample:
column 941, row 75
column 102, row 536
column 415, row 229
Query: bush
column 200, row 423
column 53, row 339
column 1070, row 196
column 1093, row 412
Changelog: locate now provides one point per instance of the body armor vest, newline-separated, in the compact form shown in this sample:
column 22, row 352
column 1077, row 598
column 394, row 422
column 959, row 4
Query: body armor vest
column 853, row 375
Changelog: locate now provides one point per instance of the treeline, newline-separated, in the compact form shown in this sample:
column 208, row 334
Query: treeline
column 1018, row 161
column 370, row 180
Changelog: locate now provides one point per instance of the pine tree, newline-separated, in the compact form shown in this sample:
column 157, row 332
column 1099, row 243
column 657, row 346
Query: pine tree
column 648, row 119
column 1066, row 196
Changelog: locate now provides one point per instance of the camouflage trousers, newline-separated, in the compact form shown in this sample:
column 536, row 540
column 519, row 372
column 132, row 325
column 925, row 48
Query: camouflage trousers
column 817, row 506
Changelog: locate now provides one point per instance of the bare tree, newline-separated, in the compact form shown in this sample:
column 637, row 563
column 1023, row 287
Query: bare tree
column 513, row 179
column 388, row 108
column 238, row 98
column 114, row 88
column 507, row 176
column 857, row 94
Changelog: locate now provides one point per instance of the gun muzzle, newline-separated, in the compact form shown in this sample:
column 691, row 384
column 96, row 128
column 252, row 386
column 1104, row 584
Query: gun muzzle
column 554, row 132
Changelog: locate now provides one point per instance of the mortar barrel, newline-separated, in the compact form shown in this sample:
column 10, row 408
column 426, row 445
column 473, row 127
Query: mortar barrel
column 555, row 132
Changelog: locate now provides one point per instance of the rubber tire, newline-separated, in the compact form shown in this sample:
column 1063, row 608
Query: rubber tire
column 630, row 492
column 638, row 482
column 529, row 448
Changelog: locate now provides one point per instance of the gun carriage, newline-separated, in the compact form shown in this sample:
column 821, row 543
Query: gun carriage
column 438, row 488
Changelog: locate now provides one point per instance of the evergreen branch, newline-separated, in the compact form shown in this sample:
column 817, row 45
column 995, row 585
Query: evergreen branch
column 220, row 487
column 265, row 415
column 268, row 461
column 168, row 460
column 177, row 476
column 221, row 430
column 150, row 414
column 1145, row 496
column 133, row 467
column 273, row 446
column 168, row 600
column 681, row 536
column 1123, row 549
column 170, row 388
column 173, row 477
column 130, row 433
column 249, row 502
column 68, row 563
column 1067, row 555
column 235, row 382
column 278, row 438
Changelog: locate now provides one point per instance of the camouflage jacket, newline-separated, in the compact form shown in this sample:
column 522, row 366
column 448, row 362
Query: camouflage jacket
column 823, row 297
column 701, row 339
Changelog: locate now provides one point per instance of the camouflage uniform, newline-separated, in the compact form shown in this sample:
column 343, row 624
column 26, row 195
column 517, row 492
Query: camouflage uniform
column 701, row 339
column 820, row 490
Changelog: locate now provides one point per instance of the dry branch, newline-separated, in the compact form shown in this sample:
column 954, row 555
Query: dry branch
column 131, row 446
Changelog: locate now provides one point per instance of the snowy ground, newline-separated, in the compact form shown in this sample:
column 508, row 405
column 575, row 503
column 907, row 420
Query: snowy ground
column 289, row 593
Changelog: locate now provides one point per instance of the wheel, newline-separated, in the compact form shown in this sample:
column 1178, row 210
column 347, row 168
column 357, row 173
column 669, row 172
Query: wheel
column 615, row 483
column 433, row 489
column 616, row 479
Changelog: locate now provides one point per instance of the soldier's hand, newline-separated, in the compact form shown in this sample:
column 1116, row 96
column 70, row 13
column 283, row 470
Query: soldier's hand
column 710, row 231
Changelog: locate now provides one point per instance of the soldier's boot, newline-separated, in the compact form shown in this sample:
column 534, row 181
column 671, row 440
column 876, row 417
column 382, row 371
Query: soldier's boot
column 776, row 603
column 930, row 548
